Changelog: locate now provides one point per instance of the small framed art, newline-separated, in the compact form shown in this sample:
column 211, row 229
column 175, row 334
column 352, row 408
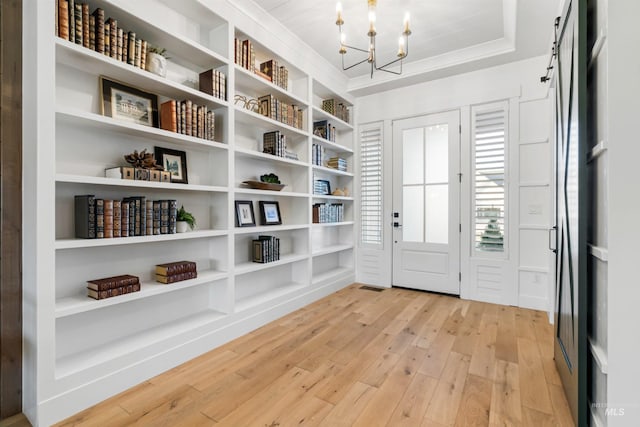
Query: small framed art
column 321, row 186
column 270, row 213
column 128, row 104
column 174, row 162
column 244, row 214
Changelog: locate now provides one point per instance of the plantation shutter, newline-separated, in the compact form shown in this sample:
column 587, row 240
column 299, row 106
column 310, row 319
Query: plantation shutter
column 371, row 184
column 489, row 127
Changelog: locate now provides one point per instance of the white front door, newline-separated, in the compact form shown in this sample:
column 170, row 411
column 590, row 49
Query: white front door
column 426, row 202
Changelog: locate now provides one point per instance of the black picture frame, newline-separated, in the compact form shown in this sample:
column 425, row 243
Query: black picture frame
column 270, row 213
column 244, row 214
column 128, row 104
column 174, row 162
column 321, row 187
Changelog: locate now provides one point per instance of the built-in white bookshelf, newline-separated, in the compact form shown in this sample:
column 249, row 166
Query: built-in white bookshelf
column 88, row 350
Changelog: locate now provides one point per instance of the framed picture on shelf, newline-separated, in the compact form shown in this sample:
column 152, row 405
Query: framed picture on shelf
column 321, row 186
column 128, row 104
column 244, row 214
column 270, row 213
column 174, row 162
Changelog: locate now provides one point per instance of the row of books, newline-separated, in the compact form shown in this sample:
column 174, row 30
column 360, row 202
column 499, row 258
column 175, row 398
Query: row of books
column 244, row 54
column 214, row 83
column 132, row 216
column 324, row 129
column 112, row 286
column 188, row 118
column 275, row 143
column 266, row 249
column 281, row 111
column 337, row 163
column 318, row 155
column 176, row 272
column 277, row 74
column 327, row 212
column 337, row 109
column 74, row 23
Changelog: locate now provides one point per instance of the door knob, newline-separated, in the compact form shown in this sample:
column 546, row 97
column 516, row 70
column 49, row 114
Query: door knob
column 397, row 225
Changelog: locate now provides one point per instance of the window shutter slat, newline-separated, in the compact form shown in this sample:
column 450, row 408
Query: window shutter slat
column 371, row 184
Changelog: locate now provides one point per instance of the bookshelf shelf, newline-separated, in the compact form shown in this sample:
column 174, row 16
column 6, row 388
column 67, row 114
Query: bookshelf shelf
column 258, row 120
column 270, row 192
column 176, row 44
column 332, row 145
column 243, row 152
column 250, row 267
column 114, row 182
column 87, row 60
column 265, row 297
column 247, row 82
column 330, row 275
column 320, row 114
column 94, row 243
column 331, row 249
column 269, row 228
column 82, row 303
column 93, row 121
column 331, row 171
column 123, row 349
column 333, row 224
column 330, row 197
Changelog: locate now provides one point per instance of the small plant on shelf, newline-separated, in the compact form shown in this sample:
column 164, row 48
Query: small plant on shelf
column 157, row 61
column 271, row 178
column 184, row 219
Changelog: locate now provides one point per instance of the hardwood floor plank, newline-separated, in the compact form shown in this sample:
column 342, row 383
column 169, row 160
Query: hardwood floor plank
column 533, row 386
column 506, row 341
column 349, row 408
column 505, row 397
column 476, row 402
column 362, row 357
column 414, row 403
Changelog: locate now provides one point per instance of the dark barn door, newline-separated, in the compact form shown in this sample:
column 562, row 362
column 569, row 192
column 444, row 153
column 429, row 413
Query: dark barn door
column 570, row 309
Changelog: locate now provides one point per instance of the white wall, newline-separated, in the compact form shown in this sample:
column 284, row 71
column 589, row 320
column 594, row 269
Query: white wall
column 525, row 273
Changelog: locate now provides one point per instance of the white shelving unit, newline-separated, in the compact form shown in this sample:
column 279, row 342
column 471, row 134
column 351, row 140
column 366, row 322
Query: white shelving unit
column 88, row 350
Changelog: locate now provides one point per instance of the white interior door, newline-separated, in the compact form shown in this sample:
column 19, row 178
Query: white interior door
column 426, row 202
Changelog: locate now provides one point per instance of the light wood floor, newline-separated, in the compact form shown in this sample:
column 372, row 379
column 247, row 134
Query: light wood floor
column 362, row 358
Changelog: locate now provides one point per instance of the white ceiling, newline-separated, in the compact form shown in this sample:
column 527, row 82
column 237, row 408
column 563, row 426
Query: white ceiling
column 448, row 36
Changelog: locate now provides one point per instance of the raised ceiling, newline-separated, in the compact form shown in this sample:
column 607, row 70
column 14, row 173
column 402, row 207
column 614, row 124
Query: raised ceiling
column 448, row 36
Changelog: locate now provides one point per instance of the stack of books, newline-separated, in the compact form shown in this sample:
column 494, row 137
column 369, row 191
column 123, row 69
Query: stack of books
column 214, row 82
column 176, row 271
column 277, row 74
column 266, row 249
column 188, row 118
column 91, row 30
column 328, row 212
column 244, row 54
column 113, row 286
column 281, row 111
column 339, row 110
column 132, row 216
column 318, row 154
column 337, row 163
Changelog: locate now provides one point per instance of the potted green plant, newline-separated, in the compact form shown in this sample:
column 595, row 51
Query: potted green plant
column 157, row 61
column 184, row 220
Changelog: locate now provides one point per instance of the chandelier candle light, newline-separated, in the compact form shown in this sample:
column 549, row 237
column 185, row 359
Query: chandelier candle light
column 403, row 42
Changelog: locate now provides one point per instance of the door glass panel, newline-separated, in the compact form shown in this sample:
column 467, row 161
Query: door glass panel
column 436, row 154
column 436, row 213
column 412, row 156
column 413, row 213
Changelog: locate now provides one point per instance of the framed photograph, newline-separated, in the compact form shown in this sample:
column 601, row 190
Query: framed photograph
column 270, row 213
column 128, row 104
column 174, row 162
column 321, row 186
column 244, row 214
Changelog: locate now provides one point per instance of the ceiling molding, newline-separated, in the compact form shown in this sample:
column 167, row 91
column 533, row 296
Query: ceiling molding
column 411, row 70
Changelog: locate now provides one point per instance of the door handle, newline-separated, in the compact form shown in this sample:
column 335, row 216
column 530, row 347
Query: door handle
column 552, row 229
column 397, row 225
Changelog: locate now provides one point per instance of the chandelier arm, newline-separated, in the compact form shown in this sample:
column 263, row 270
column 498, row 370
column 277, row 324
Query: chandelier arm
column 356, row 48
column 382, row 67
column 351, row 66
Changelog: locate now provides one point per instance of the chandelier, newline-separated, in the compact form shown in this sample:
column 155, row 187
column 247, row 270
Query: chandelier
column 371, row 58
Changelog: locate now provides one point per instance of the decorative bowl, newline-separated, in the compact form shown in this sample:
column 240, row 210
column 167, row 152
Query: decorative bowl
column 264, row 185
